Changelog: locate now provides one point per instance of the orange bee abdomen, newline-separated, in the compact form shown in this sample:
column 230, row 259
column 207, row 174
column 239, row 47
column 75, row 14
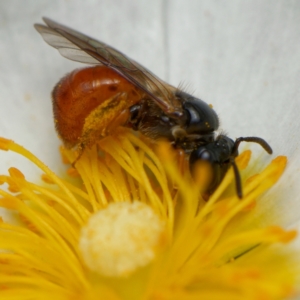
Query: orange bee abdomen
column 82, row 91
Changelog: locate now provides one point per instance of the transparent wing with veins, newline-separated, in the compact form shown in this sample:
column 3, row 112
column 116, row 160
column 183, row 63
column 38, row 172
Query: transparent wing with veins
column 79, row 47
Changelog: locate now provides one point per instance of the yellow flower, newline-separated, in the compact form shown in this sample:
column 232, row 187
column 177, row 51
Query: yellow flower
column 131, row 224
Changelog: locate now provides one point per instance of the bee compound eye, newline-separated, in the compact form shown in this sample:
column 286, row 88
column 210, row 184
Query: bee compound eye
column 205, row 155
column 201, row 118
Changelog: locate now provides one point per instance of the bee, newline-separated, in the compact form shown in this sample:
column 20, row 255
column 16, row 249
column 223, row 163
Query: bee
column 89, row 103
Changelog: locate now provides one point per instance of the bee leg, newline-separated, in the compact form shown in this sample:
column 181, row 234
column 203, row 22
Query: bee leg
column 112, row 113
column 120, row 120
column 136, row 114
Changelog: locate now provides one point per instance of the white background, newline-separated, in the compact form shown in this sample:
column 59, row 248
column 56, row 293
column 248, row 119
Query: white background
column 241, row 56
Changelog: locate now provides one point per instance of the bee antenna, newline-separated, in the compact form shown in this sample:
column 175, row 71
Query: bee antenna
column 252, row 139
column 237, row 176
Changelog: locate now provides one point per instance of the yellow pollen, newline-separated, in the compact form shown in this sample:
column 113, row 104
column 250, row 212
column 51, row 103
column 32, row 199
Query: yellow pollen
column 73, row 172
column 47, row 179
column 5, row 144
column 121, row 238
column 243, row 159
column 16, row 173
column 280, row 234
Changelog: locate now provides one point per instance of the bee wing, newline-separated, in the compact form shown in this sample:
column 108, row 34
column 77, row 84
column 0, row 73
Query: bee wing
column 82, row 48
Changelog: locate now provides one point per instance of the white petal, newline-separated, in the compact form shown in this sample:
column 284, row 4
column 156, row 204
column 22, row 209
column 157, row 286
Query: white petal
column 243, row 57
